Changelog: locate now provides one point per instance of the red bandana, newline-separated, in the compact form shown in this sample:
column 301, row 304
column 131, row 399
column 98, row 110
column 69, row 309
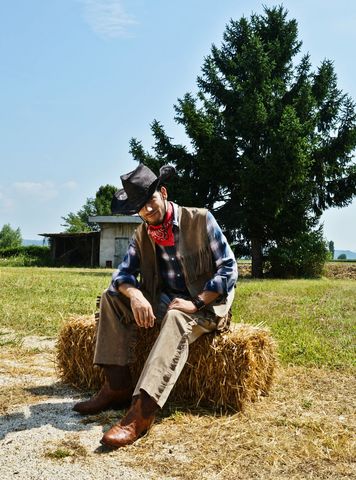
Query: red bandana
column 163, row 234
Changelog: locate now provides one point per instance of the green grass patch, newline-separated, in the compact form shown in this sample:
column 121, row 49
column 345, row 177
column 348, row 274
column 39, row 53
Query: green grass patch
column 37, row 300
column 313, row 321
column 67, row 447
column 59, row 453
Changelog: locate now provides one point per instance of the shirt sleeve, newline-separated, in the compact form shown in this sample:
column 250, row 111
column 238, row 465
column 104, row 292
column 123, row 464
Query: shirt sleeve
column 226, row 274
column 128, row 269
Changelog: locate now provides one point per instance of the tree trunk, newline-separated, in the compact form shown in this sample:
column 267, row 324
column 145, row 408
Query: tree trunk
column 257, row 260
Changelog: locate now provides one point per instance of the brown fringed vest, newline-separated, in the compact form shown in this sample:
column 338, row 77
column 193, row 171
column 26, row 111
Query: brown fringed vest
column 193, row 250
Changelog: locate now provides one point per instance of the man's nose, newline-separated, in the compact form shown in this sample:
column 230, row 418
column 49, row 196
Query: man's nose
column 149, row 207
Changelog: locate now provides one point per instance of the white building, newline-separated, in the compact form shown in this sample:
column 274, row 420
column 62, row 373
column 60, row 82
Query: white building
column 115, row 234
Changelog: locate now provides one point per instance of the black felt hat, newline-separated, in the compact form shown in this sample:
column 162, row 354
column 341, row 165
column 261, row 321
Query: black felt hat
column 139, row 186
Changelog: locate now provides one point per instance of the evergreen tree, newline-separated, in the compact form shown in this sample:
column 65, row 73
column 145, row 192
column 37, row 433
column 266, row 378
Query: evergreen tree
column 271, row 141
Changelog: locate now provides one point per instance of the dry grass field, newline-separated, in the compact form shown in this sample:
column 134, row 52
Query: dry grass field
column 305, row 428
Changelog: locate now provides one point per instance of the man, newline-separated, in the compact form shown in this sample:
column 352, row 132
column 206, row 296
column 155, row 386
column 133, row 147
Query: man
column 187, row 273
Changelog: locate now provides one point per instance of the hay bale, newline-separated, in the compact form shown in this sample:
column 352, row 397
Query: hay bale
column 75, row 353
column 223, row 370
column 229, row 370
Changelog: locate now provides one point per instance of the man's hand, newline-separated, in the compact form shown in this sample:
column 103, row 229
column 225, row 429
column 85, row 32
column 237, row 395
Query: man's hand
column 185, row 306
column 142, row 311
column 140, row 306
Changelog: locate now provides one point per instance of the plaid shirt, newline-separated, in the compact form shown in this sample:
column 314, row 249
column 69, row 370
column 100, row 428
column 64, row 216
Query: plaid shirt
column 170, row 267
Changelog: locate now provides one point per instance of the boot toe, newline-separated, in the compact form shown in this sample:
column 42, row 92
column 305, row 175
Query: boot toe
column 80, row 407
column 119, row 436
column 136, row 422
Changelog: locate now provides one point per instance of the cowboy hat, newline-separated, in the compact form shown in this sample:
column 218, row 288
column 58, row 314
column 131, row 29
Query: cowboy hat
column 139, row 186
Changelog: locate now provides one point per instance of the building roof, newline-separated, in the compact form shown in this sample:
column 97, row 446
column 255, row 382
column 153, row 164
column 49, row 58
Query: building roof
column 115, row 219
column 70, row 234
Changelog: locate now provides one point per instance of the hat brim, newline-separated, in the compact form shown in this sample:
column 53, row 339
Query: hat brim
column 121, row 204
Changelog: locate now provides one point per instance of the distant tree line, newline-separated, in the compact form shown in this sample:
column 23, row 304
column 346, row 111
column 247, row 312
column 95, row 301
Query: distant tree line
column 15, row 254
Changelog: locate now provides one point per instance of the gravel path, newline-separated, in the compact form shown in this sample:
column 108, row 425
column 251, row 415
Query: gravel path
column 41, row 438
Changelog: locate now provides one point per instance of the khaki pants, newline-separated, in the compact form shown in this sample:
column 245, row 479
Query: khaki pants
column 116, row 337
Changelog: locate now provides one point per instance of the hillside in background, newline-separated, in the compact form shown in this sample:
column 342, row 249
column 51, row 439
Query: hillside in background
column 26, row 242
column 349, row 255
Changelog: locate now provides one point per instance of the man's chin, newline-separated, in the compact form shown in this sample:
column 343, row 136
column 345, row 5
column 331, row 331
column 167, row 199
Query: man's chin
column 155, row 219
column 155, row 223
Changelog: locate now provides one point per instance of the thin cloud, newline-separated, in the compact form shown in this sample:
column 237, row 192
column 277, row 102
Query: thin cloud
column 107, row 18
column 40, row 190
column 6, row 203
column 14, row 196
column 70, row 185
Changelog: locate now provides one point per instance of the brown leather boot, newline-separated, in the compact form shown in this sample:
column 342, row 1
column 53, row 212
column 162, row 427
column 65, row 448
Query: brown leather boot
column 136, row 422
column 116, row 392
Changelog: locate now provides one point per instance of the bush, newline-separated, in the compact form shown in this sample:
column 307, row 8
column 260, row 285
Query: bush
column 32, row 255
column 303, row 256
column 10, row 237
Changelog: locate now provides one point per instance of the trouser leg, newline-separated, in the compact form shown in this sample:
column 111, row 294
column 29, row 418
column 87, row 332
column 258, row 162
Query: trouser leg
column 115, row 339
column 115, row 334
column 170, row 352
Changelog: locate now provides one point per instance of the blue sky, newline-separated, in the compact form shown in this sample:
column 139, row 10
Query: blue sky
column 79, row 78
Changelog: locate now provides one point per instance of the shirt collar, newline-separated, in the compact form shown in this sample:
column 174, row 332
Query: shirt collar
column 175, row 214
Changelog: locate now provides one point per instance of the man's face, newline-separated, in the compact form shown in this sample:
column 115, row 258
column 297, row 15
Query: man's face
column 154, row 210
